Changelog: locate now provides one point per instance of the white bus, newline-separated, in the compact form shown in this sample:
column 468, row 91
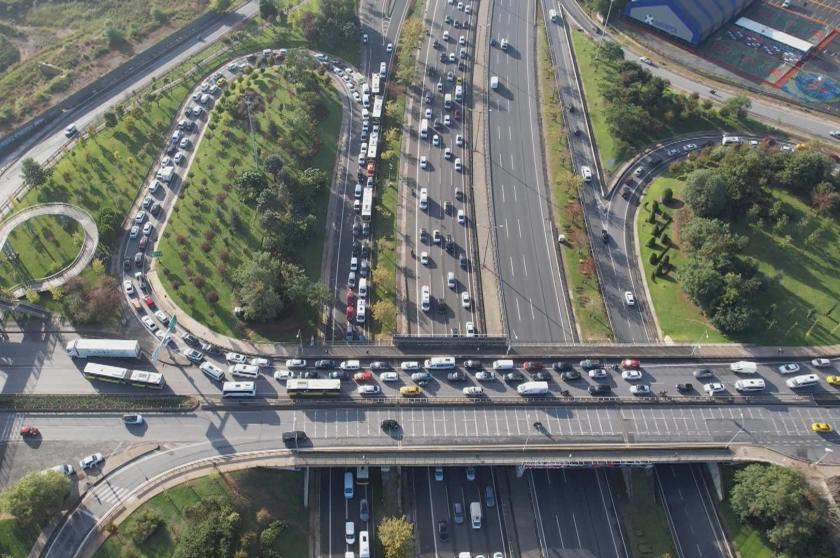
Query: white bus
column 440, row 363
column 376, row 113
column 374, row 84
column 239, row 389
column 728, row 140
column 367, row 204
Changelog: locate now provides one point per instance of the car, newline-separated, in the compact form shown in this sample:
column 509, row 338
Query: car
column 294, row 437
column 128, row 287
column 295, row 363
column 456, row 376
column 452, row 58
column 283, row 375
column 423, row 162
column 470, row 473
column 435, row 138
column 598, row 373
column 410, row 391
column 424, row 258
column 126, row 264
column 632, row 375
column 235, row 358
column 29, row 431
column 443, row 530
column 259, row 362
column 599, row 389
column 364, row 38
column 134, row 231
column 155, row 209
column 473, row 391
column 71, row 131
column 821, row 427
column 472, row 364
column 833, row 133
column 469, row 329
column 324, row 364
column 514, row 377
column 194, row 355
column 629, row 298
column 91, row 461
column 65, row 469
column 309, row 374
column 162, row 316
column 685, row 388
column 631, row 363
column 485, row 376
column 590, row 363
column 138, row 259
column 151, row 304
column 184, row 143
column 466, row 301
column 369, row 390
column 149, row 323
column 640, row 389
column 833, row 380
column 456, row 114
column 646, row 60
column 147, row 229
column 533, row 365
column 820, row 363
column 410, row 366
column 364, row 510
column 363, row 376
column 143, row 242
column 389, row 377
column 457, row 513
column 447, row 120
column 713, row 388
column 570, row 375
column 337, row 375
column 379, row 365
column 132, row 419
column 211, row 349
column 790, row 368
column 703, row 373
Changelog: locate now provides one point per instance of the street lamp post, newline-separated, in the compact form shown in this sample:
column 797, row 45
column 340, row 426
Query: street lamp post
column 490, row 230
column 827, row 451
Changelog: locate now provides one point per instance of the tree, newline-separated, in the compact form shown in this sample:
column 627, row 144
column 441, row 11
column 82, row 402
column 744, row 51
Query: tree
column 221, row 5
column 701, row 281
column 110, row 119
column 825, row 198
column 35, row 498
column 257, row 287
column 142, row 525
column 385, row 313
column 250, row 183
column 309, row 27
column 746, row 173
column 667, row 196
column 337, row 20
column 396, row 534
column 705, row 193
column 273, row 165
column 159, row 15
column 268, row 9
column 34, row 174
column 113, row 36
column 738, row 106
column 210, row 532
column 803, row 170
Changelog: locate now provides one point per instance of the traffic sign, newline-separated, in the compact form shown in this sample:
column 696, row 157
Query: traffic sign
column 172, row 323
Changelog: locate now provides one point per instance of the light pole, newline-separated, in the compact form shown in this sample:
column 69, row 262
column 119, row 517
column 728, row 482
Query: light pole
column 528, row 436
column 490, row 230
column 827, row 451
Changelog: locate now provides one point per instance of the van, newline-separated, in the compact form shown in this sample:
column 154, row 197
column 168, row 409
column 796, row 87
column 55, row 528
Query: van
column 382, row 69
column 475, row 515
column 348, row 485
column 364, row 545
column 447, row 100
column 350, row 532
column 176, row 136
column 753, row 384
column 504, row 44
column 532, row 388
column 743, row 367
column 244, row 371
column 366, row 101
column 552, row 15
column 365, row 114
column 363, row 287
column 361, row 311
column 729, row 140
column 504, row 364
column 212, row 371
column 459, row 93
column 349, row 554
column 805, row 380
column 494, row 82
column 424, row 128
column 350, row 365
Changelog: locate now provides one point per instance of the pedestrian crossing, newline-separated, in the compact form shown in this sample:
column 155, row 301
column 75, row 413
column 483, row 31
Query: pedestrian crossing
column 108, row 493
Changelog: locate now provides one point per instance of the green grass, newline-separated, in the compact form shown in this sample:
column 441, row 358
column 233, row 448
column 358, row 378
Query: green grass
column 800, row 306
column 594, row 73
column 279, row 492
column 748, row 542
column 45, row 244
column 198, row 241
column 16, row 540
column 590, row 312
column 644, row 517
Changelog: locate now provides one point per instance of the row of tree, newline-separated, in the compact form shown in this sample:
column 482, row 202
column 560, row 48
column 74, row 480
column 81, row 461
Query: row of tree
column 335, row 20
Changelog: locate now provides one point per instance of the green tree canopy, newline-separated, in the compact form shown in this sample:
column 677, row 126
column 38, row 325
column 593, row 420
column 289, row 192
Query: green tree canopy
column 705, row 193
column 250, row 183
column 35, row 498
column 804, row 170
column 34, row 174
column 396, row 534
column 257, row 287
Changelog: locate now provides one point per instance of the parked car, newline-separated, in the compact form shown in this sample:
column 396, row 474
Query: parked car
column 91, row 461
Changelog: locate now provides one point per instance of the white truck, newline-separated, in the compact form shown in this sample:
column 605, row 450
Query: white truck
column 114, row 348
column 475, row 515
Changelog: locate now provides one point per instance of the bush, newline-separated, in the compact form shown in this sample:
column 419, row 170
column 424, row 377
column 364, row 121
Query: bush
column 144, row 524
column 654, row 257
column 667, row 196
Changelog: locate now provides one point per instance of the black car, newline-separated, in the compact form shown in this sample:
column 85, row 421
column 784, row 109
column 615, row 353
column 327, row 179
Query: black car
column 390, row 424
column 653, row 161
column 625, row 193
column 450, row 244
column 514, row 376
column 357, row 228
column 189, row 339
column 472, row 364
column 571, row 375
column 172, row 149
column 465, row 263
column 437, row 125
column 561, row 366
column 591, row 364
column 294, row 437
column 443, row 57
column 138, row 259
column 365, row 249
column 443, row 530
column 605, row 236
column 357, row 248
column 210, row 349
column 599, row 389
column 309, row 375
column 685, row 388
column 324, row 364
column 126, row 264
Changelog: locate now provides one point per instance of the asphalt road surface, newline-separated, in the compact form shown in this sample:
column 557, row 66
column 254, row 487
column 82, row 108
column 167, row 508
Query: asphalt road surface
column 691, row 513
column 428, row 231
column 535, row 303
column 336, row 510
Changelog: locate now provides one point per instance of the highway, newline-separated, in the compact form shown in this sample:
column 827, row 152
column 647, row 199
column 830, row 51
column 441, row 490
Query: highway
column 336, row 510
column 535, row 302
column 435, row 235
column 52, row 139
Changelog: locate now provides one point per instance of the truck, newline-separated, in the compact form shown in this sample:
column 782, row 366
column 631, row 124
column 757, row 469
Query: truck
column 532, row 388
column 114, row 348
column 375, row 86
column 475, row 515
column 362, row 475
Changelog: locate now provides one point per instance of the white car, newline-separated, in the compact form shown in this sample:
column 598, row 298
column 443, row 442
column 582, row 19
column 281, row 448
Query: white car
column 357, row 97
column 473, row 391
column 389, row 377
column 447, row 153
column 129, row 288
column 641, row 389
column 235, row 358
column 458, row 166
column 713, row 388
column 149, row 323
column 632, row 375
column 369, row 390
column 295, row 363
column 597, row 373
column 462, row 217
column 410, row 365
column 447, row 120
column 390, row 47
column 134, row 232
column 466, row 301
column 646, row 60
column 459, row 140
column 820, row 362
column 835, row 134
column 283, row 375
column 450, row 280
column 91, row 461
column 428, row 113
column 260, row 362
column 470, row 329
column 629, row 298
column 424, row 258
column 586, row 172
column 790, row 368
column 436, row 140
column 423, row 163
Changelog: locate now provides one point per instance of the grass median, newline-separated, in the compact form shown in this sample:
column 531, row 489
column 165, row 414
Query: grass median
column 56, row 241
column 644, row 517
column 590, row 312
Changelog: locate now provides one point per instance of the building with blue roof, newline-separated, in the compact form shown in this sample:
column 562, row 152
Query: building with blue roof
column 691, row 21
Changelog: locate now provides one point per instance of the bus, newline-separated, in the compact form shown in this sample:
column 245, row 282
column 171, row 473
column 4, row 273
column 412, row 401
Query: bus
column 367, row 204
column 296, row 387
column 376, row 113
column 439, row 363
column 373, row 145
column 239, row 389
column 375, row 87
column 117, row 375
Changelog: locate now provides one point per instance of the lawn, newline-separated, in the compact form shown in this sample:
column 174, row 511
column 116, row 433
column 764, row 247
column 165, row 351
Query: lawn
column 199, row 246
column 590, row 312
column 16, row 540
column 748, row 542
column 249, row 491
column 800, row 306
column 643, row 515
column 56, row 242
column 594, row 72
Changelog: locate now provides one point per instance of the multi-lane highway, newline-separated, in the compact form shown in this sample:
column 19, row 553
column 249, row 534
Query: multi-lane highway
column 438, row 217
column 535, row 302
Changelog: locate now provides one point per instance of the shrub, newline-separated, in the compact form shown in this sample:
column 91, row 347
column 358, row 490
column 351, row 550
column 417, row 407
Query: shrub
column 145, row 523
column 667, row 196
column 654, row 257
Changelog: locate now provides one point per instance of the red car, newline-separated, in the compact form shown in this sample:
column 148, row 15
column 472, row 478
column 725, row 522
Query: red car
column 630, row 363
column 456, row 115
column 351, row 297
column 148, row 300
column 362, row 376
column 351, row 311
column 29, row 432
column 533, row 365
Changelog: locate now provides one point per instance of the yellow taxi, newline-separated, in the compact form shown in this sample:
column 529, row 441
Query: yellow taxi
column 821, row 427
column 221, row 82
column 410, row 391
column 833, row 380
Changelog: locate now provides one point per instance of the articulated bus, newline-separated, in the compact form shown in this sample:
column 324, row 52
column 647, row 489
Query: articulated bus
column 312, row 388
column 117, row 375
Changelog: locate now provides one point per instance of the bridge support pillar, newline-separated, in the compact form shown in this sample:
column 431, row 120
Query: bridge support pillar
column 717, row 478
column 520, row 470
column 306, row 488
column 626, row 475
